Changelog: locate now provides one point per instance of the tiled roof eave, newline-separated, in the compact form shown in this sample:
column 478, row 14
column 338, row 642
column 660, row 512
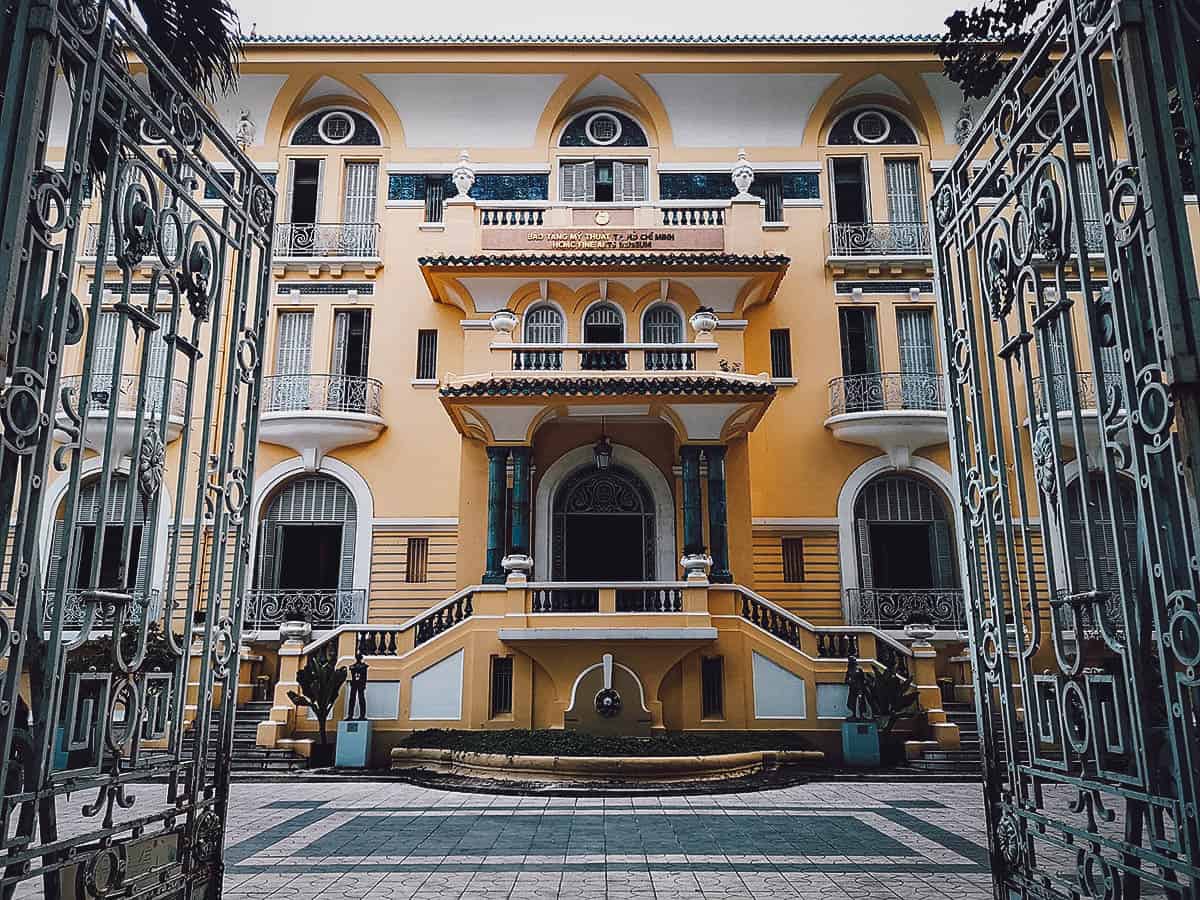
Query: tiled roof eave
column 610, row 386
column 603, row 40
column 592, row 260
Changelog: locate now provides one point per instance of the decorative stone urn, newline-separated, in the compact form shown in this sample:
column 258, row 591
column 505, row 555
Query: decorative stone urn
column 295, row 630
column 743, row 175
column 703, row 321
column 518, row 566
column 503, row 321
column 919, row 633
column 463, row 175
column 696, row 567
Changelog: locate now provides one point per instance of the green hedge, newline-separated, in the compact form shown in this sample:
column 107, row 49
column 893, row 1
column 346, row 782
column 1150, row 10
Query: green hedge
column 520, row 742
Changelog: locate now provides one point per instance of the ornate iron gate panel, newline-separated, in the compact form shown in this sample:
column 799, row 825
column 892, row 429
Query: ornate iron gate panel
column 1084, row 627
column 126, row 458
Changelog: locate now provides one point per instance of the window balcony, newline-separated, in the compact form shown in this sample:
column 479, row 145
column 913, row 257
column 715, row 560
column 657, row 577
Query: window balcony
column 75, row 608
column 892, row 608
column 317, row 413
column 332, row 246
column 898, row 412
column 125, row 394
column 266, row 610
column 1087, row 399
column 857, row 244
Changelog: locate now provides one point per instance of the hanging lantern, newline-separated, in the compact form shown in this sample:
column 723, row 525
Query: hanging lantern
column 603, row 452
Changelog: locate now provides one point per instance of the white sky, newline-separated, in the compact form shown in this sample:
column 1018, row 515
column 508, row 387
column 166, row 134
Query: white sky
column 608, row 17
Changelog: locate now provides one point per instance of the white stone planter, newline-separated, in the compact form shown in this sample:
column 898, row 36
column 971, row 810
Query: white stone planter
column 503, row 321
column 703, row 322
column 919, row 633
column 696, row 567
column 295, row 630
column 742, row 175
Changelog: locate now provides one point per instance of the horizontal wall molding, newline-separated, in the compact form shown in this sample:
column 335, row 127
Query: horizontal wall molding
column 727, row 165
column 439, row 168
column 824, row 523
column 416, row 523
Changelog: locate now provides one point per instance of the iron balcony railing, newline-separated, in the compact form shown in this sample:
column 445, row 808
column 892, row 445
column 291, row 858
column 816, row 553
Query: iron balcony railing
column 327, row 239
column 322, row 393
column 91, row 243
column 879, row 239
column 268, row 608
column 896, row 607
column 1087, row 391
column 647, row 597
column 891, row 391
column 126, row 390
column 74, row 607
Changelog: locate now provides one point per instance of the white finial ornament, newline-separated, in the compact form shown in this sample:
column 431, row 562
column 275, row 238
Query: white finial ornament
column 463, row 175
column 245, row 131
column 742, row 174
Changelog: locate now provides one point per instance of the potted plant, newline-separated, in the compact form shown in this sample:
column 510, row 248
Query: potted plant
column 320, row 683
column 892, row 697
column 295, row 625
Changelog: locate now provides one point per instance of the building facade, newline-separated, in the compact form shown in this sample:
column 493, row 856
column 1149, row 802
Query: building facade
column 590, row 365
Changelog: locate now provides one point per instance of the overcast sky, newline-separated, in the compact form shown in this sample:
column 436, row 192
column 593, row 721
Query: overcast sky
column 611, row 17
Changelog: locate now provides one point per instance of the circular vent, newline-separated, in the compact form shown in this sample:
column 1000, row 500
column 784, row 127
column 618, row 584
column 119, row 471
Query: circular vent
column 336, row 127
column 871, row 127
column 603, row 129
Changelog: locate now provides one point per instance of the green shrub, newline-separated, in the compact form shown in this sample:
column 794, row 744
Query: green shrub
column 521, row 742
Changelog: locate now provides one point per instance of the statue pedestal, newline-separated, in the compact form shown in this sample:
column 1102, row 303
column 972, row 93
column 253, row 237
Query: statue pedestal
column 860, row 744
column 353, row 744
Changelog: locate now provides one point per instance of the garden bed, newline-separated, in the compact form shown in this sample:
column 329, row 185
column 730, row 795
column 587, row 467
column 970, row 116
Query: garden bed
column 545, row 742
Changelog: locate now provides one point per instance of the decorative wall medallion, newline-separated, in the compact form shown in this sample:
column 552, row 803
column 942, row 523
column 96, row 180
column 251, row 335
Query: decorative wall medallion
column 1043, row 460
column 608, row 703
column 152, row 458
column 603, row 217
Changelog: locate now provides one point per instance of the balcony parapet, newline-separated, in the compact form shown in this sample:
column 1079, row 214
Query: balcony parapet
column 850, row 243
column 892, row 608
column 268, row 609
column 75, row 607
column 1087, row 400
column 332, row 246
column 628, row 357
column 125, row 393
column 320, row 412
column 898, row 412
column 602, row 597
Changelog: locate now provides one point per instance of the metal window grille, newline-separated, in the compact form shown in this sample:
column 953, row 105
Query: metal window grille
column 712, row 687
column 502, row 682
column 416, row 569
column 435, row 197
column 793, row 560
column 781, row 353
column 427, row 354
column 543, row 325
column 663, row 325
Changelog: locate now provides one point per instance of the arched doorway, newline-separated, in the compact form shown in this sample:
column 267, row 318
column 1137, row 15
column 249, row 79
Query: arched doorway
column 307, row 537
column 603, row 527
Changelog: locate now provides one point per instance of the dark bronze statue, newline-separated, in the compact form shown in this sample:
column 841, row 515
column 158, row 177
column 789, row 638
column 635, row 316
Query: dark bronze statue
column 358, row 688
column 858, row 702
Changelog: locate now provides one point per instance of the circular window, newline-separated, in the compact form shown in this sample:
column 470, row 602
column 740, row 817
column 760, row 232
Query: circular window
column 336, row 127
column 871, row 127
column 603, row 128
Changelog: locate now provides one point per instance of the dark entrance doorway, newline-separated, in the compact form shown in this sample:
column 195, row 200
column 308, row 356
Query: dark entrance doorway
column 603, row 527
column 310, row 557
column 903, row 554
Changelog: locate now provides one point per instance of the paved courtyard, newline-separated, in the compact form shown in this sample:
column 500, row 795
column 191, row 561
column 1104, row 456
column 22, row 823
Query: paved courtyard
column 390, row 840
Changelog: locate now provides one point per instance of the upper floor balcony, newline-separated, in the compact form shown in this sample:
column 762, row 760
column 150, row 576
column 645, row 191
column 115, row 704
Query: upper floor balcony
column 898, row 412
column 266, row 609
column 315, row 413
column 121, row 399
column 329, row 246
column 1082, row 392
column 863, row 244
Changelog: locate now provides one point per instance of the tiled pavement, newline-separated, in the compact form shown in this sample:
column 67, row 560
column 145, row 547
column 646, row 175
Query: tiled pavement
column 391, row 840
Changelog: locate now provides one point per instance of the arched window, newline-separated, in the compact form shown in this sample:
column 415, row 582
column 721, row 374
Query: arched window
column 603, row 128
column 903, row 535
column 336, row 127
column 662, row 324
column 543, row 325
column 603, row 325
column 871, row 126
column 307, row 537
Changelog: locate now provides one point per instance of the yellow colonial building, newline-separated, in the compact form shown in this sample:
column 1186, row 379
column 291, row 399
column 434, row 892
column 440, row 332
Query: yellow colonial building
column 591, row 364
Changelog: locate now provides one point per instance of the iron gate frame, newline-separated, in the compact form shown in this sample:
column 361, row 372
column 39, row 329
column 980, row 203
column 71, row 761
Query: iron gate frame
column 209, row 268
column 1092, row 774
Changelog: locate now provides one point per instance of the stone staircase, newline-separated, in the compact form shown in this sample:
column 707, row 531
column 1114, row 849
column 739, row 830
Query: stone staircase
column 964, row 761
column 247, row 755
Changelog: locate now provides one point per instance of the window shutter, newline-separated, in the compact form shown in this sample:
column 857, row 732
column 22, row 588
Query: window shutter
column 577, row 182
column 1089, row 192
column 916, row 341
column 346, row 577
column 866, row 571
column 629, row 182
column 54, row 564
column 105, row 350
column 143, row 560
column 341, row 327
column 902, row 180
column 268, row 548
column 361, row 185
column 291, row 186
column 943, row 556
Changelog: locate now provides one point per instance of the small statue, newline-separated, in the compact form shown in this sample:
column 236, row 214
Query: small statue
column 358, row 688
column 857, row 700
column 245, row 131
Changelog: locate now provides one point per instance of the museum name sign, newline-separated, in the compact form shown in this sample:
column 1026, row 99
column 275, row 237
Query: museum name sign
column 605, row 240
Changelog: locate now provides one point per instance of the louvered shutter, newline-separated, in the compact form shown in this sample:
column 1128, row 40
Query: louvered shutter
column 902, row 180
column 577, row 182
column 268, row 549
column 866, row 570
column 943, row 556
column 156, row 364
column 54, row 564
column 1060, row 391
column 1089, row 191
column 104, row 351
column 293, row 359
column 359, row 212
column 917, row 361
column 341, row 329
column 629, row 182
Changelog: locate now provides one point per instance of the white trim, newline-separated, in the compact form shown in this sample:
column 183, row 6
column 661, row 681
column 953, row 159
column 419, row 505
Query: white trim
column 880, row 465
column 93, row 466
column 404, row 204
column 615, row 664
column 665, row 566
column 426, row 523
column 364, row 508
column 726, row 166
column 475, row 324
column 423, row 382
column 785, row 382
column 795, row 522
column 366, row 149
column 447, row 168
column 816, row 203
column 517, row 635
column 732, row 324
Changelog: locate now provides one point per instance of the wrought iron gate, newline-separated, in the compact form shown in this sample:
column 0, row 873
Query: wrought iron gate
column 1084, row 625
column 119, row 627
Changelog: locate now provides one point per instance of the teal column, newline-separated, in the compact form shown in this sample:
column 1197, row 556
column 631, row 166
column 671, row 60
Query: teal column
column 497, row 488
column 520, row 511
column 693, row 529
column 718, row 526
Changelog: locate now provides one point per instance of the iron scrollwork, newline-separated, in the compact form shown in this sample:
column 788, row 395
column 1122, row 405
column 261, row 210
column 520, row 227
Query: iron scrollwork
column 1081, row 602
column 101, row 656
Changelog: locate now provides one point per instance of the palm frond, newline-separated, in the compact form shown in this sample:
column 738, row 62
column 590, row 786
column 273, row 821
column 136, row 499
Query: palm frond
column 201, row 38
